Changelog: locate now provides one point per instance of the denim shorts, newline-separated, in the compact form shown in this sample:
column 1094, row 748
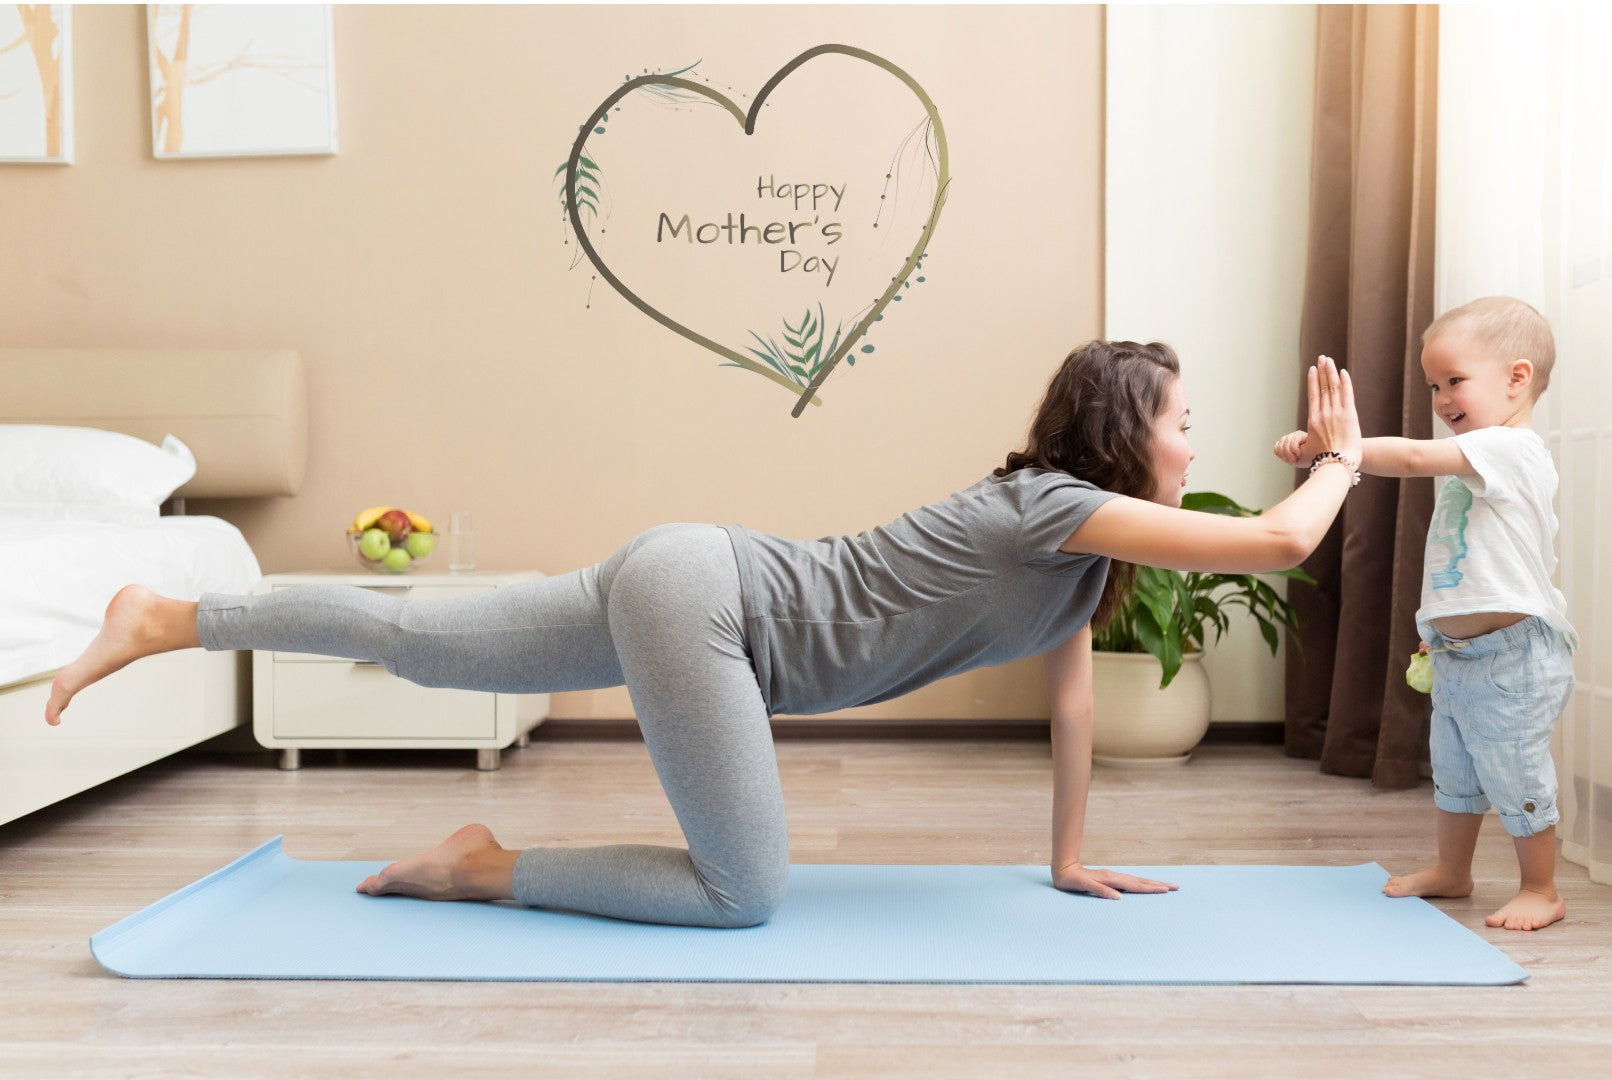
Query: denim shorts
column 1496, row 698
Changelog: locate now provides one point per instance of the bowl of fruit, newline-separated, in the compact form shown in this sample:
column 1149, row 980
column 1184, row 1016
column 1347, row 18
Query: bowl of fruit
column 388, row 540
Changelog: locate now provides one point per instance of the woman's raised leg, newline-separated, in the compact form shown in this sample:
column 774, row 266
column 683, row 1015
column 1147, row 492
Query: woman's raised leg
column 533, row 637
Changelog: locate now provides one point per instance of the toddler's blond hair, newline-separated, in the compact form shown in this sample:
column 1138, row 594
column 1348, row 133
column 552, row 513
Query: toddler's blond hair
column 1512, row 329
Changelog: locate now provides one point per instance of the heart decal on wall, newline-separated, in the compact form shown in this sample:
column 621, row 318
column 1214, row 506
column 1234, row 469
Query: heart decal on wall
column 577, row 194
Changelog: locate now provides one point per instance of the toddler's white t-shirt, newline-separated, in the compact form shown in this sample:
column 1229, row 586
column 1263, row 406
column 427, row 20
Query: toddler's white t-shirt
column 1491, row 545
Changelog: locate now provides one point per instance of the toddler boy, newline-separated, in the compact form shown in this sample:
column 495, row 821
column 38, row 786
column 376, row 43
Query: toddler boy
column 1496, row 627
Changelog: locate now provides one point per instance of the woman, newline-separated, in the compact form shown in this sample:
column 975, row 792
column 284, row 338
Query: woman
column 713, row 630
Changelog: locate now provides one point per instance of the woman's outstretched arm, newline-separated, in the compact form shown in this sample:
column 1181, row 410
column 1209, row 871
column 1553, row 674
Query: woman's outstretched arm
column 1068, row 669
column 1149, row 534
column 1145, row 533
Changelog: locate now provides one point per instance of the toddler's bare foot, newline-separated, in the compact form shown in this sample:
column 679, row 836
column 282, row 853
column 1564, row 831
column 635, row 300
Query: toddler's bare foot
column 1529, row 910
column 134, row 627
column 1434, row 881
column 465, row 866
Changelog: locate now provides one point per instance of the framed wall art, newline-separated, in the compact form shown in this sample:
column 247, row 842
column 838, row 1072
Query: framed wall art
column 238, row 80
column 36, row 83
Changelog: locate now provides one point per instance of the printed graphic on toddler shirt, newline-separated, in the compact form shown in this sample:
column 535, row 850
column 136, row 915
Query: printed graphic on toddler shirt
column 1446, row 539
column 776, row 236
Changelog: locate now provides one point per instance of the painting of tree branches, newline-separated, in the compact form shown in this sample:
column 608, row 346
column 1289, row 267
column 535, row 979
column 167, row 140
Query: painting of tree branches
column 231, row 80
column 36, row 83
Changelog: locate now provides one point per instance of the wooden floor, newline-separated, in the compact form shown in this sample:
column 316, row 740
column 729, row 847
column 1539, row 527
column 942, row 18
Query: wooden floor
column 72, row 869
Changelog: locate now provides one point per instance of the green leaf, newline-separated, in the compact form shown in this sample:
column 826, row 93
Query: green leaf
column 769, row 361
column 1214, row 503
column 1166, row 647
column 1154, row 591
column 1151, row 639
column 775, row 358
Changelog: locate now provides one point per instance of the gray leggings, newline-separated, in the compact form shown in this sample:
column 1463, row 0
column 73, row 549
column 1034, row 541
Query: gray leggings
column 664, row 616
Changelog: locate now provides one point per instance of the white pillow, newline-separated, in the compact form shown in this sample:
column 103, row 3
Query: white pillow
column 49, row 472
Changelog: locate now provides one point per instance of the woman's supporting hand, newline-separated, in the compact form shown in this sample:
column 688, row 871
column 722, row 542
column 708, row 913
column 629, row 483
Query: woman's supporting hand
column 1334, row 423
column 1107, row 884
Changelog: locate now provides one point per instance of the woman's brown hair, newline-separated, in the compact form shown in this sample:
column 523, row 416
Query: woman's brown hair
column 1096, row 423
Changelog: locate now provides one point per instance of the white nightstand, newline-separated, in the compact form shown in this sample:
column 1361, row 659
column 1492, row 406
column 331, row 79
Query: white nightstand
column 300, row 700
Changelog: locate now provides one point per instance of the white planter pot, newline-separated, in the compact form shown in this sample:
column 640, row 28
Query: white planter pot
column 1138, row 724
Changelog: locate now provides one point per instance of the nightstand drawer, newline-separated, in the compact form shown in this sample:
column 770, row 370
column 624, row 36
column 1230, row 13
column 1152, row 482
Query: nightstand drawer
column 365, row 701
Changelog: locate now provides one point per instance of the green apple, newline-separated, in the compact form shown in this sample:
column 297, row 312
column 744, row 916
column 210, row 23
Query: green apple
column 374, row 544
column 420, row 544
column 397, row 560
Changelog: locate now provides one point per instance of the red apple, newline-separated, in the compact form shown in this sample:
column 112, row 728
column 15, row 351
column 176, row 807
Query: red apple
column 396, row 525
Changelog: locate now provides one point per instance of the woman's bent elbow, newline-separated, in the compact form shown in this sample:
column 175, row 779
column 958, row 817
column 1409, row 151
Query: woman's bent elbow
column 1292, row 550
column 1280, row 549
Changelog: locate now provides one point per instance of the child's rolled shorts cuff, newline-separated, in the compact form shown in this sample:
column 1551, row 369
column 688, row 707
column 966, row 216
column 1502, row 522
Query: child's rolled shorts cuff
column 1459, row 804
column 1532, row 817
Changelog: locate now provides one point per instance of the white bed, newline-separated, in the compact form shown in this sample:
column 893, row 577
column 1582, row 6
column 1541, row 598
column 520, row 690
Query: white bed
column 243, row 415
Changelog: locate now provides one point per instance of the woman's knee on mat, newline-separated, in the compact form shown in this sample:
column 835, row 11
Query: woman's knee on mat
column 747, row 901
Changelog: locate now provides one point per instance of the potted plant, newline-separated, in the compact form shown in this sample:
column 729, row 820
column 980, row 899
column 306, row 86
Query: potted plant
column 1150, row 690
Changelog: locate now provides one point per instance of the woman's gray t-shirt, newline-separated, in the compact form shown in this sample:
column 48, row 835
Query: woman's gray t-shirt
column 967, row 582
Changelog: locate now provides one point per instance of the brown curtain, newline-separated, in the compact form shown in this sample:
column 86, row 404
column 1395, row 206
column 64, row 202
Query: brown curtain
column 1367, row 298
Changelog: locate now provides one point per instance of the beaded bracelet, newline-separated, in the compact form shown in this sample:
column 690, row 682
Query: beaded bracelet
column 1326, row 456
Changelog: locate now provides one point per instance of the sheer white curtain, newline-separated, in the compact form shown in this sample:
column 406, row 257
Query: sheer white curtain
column 1525, row 208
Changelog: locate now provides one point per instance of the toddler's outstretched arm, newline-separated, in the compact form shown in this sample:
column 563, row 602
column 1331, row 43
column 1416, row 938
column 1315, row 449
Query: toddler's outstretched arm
column 1386, row 455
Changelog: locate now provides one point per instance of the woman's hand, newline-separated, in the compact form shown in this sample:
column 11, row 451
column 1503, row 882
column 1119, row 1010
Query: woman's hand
column 1334, row 424
column 1290, row 450
column 1107, row 884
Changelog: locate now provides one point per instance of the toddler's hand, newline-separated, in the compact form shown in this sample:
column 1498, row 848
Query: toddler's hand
column 1419, row 676
column 1290, row 449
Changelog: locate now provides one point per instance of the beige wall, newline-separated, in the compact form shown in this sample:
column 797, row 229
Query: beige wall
column 452, row 362
column 1209, row 120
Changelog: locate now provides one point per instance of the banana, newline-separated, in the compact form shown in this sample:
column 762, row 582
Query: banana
column 419, row 522
column 366, row 518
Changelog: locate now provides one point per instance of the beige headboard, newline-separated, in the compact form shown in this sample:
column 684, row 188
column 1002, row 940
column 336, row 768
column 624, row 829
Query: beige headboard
column 244, row 412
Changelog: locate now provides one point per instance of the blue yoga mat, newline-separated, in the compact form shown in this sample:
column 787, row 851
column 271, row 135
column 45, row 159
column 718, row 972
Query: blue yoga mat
column 269, row 916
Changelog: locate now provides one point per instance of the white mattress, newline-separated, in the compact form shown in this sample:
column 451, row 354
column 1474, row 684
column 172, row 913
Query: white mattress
column 56, row 578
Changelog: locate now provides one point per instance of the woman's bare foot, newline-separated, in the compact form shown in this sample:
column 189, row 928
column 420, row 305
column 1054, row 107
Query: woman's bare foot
column 138, row 623
column 1529, row 910
column 469, row 865
column 1434, row 881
